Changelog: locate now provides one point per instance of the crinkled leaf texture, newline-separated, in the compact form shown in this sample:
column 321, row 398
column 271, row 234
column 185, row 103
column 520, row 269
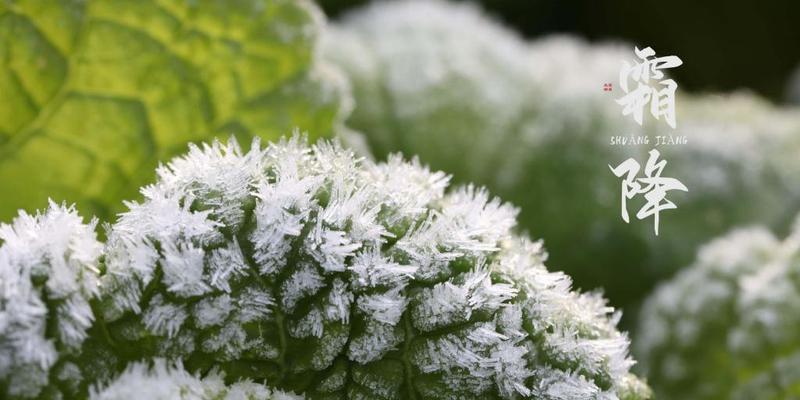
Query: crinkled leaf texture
column 94, row 92
column 322, row 274
column 728, row 326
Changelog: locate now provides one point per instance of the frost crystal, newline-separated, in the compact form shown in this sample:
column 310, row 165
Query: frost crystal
column 48, row 275
column 727, row 326
column 165, row 381
column 317, row 272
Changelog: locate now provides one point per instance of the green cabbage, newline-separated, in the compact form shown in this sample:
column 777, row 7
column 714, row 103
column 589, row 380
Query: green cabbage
column 306, row 269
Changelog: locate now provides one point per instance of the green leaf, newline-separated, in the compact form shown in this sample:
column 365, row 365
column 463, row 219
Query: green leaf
column 94, row 93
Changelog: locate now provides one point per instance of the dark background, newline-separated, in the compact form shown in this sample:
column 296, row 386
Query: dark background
column 724, row 45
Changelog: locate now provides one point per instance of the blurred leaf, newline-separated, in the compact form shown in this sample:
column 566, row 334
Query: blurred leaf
column 94, row 93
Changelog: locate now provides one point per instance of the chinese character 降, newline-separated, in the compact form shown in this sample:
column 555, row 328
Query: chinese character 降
column 652, row 186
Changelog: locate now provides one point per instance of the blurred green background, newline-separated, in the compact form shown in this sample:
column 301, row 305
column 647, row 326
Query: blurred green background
column 456, row 84
column 725, row 45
